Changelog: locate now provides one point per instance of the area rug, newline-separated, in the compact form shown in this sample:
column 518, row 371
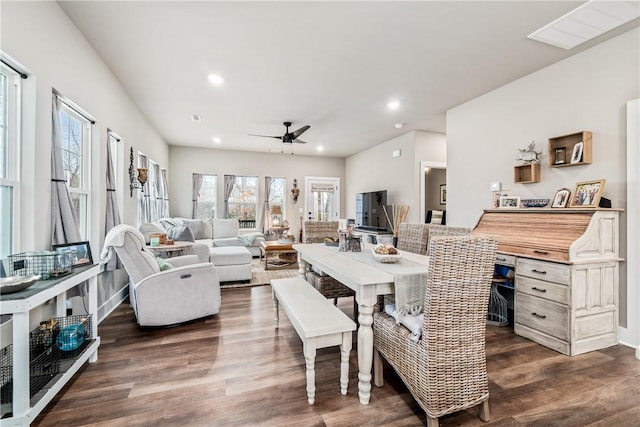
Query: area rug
column 260, row 276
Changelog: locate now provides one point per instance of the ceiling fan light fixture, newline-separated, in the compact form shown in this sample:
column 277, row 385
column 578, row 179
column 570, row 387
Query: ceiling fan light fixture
column 215, row 79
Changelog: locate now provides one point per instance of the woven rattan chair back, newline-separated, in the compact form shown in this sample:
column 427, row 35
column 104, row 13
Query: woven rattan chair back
column 446, row 370
column 445, row 230
column 413, row 237
column 317, row 231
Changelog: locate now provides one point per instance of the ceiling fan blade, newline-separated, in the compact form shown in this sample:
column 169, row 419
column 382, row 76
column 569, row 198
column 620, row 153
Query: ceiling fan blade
column 299, row 141
column 266, row 136
column 300, row 131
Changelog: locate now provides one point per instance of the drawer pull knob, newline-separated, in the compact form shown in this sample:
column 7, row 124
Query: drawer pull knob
column 538, row 271
column 540, row 316
column 501, row 259
column 540, row 252
column 539, row 290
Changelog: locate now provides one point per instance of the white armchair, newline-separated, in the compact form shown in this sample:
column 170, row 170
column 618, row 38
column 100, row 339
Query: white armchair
column 189, row 290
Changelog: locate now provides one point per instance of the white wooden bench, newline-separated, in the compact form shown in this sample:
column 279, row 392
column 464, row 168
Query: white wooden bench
column 318, row 323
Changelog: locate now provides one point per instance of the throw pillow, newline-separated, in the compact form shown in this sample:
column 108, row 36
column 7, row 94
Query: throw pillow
column 180, row 233
column 163, row 264
column 224, row 228
column 436, row 217
column 197, row 228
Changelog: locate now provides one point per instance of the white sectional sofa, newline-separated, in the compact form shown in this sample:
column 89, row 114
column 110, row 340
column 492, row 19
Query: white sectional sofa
column 207, row 234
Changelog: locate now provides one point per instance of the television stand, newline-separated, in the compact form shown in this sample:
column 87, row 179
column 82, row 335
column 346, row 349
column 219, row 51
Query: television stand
column 375, row 236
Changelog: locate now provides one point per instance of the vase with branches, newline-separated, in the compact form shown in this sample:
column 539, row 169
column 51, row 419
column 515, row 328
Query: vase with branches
column 399, row 214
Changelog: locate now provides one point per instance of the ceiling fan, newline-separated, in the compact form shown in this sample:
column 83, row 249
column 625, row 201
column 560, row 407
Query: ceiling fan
column 289, row 137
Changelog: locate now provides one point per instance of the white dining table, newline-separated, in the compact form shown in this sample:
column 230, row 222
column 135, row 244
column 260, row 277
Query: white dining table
column 369, row 279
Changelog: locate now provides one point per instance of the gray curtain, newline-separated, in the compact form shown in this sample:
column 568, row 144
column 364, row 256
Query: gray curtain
column 229, row 181
column 165, row 194
column 196, row 186
column 144, row 208
column 64, row 224
column 155, row 187
column 112, row 217
column 267, row 208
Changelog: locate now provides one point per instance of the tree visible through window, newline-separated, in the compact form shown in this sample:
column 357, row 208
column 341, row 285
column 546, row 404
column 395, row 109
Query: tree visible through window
column 243, row 202
column 277, row 194
column 76, row 132
column 206, row 207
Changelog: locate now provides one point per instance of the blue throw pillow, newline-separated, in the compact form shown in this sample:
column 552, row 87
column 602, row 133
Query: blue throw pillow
column 181, row 233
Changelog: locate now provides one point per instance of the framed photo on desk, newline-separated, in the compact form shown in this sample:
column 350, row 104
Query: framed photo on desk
column 82, row 250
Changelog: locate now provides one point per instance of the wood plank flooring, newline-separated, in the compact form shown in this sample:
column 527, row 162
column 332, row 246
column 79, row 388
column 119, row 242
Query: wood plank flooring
column 234, row 369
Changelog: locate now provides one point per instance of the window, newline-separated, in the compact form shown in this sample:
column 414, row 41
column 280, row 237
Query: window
column 243, row 201
column 10, row 85
column 76, row 138
column 206, row 200
column 277, row 194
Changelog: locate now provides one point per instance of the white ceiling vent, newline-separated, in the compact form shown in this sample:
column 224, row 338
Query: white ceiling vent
column 586, row 22
column 196, row 118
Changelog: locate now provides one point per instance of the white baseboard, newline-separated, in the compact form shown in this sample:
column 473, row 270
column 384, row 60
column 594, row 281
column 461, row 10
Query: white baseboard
column 112, row 303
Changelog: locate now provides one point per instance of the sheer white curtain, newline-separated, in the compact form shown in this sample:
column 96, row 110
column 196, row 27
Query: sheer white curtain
column 229, row 181
column 155, row 199
column 196, row 186
column 267, row 208
column 164, row 211
column 144, row 209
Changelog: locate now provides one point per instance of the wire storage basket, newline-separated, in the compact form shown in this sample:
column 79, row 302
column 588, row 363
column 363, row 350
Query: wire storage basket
column 47, row 264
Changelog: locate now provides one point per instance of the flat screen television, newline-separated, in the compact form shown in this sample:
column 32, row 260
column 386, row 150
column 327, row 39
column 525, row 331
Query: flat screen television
column 369, row 212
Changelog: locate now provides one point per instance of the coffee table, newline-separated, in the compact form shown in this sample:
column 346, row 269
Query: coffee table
column 275, row 252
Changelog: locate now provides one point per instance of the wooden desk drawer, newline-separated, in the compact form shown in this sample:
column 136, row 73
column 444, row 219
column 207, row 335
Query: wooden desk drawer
column 545, row 316
column 509, row 260
column 540, row 288
column 544, row 270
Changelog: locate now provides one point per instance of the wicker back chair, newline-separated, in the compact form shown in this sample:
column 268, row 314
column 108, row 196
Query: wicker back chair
column 315, row 232
column 445, row 370
column 413, row 237
column 445, row 230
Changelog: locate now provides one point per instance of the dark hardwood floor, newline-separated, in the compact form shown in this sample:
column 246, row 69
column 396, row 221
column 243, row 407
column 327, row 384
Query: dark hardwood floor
column 234, row 369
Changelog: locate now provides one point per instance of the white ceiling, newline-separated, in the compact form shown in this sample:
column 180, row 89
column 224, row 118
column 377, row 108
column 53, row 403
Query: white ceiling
column 331, row 65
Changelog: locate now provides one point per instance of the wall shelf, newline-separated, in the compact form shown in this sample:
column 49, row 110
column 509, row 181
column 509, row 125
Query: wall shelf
column 527, row 173
column 561, row 149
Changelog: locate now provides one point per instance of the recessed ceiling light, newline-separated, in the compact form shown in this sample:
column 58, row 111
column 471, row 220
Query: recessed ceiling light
column 217, row 140
column 393, row 105
column 196, row 118
column 320, row 148
column 216, row 79
column 399, row 125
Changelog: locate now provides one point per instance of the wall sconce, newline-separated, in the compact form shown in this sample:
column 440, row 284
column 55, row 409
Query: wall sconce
column 295, row 191
column 136, row 180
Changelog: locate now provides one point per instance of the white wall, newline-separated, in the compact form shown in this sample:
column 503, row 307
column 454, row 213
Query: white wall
column 185, row 161
column 375, row 169
column 40, row 37
column 587, row 91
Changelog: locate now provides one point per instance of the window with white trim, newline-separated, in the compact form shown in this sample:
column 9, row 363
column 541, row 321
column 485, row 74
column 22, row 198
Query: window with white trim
column 243, row 202
column 206, row 206
column 277, row 194
column 10, row 98
column 76, row 140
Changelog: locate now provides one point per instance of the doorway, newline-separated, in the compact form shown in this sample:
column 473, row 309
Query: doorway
column 322, row 198
column 433, row 187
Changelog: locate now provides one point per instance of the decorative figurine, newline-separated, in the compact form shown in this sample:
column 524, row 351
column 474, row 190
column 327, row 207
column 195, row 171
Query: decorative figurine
column 295, row 191
column 529, row 154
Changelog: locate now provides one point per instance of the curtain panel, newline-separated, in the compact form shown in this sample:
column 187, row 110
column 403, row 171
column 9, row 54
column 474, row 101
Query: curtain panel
column 165, row 194
column 112, row 217
column 144, row 212
column 267, row 206
column 229, row 181
column 196, row 186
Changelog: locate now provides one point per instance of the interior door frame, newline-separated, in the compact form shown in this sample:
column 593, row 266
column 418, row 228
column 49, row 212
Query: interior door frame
column 308, row 180
column 426, row 164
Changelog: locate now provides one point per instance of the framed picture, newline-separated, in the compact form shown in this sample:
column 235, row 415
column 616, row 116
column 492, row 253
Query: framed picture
column 509, row 202
column 495, row 198
column 443, row 194
column 587, row 194
column 561, row 199
column 560, row 155
column 82, row 250
column 576, row 157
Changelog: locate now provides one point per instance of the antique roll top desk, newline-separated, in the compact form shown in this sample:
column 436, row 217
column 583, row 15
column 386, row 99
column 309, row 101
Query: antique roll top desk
column 566, row 265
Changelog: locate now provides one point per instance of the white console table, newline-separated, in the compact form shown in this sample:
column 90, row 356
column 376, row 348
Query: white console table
column 19, row 304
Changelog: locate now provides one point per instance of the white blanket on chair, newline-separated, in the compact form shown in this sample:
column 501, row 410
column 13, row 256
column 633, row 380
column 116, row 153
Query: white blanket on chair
column 115, row 237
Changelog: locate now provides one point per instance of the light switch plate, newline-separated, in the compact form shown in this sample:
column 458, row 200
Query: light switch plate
column 495, row 186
